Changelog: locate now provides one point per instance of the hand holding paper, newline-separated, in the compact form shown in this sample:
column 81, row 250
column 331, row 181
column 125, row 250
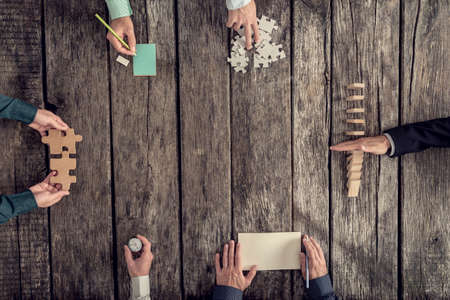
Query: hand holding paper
column 230, row 274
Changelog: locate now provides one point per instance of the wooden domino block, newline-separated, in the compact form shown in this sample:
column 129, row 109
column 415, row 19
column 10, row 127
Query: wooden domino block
column 355, row 98
column 353, row 188
column 354, row 167
column 358, row 156
column 354, row 133
column 354, row 175
column 355, row 86
column 355, row 160
column 356, row 121
column 355, row 110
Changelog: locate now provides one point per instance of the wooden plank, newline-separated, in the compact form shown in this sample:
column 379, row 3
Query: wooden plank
column 364, row 229
column 424, row 198
column 261, row 151
column 311, row 124
column 205, row 140
column 25, row 253
column 145, row 152
column 81, row 225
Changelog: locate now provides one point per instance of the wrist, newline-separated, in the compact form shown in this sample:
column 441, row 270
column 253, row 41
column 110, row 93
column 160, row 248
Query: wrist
column 386, row 143
column 137, row 274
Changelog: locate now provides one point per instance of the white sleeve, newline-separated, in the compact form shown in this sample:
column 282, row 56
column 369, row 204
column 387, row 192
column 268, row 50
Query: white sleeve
column 140, row 288
column 236, row 4
column 391, row 141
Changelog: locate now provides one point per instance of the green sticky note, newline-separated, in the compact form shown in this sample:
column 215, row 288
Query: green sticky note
column 144, row 63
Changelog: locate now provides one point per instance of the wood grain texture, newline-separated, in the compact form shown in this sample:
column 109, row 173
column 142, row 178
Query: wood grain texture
column 425, row 176
column 311, row 123
column 261, row 151
column 145, row 152
column 77, row 76
column 363, row 246
column 205, row 140
column 25, row 238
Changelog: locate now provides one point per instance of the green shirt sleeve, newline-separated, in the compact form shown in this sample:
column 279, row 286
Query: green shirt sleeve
column 14, row 205
column 119, row 8
column 16, row 109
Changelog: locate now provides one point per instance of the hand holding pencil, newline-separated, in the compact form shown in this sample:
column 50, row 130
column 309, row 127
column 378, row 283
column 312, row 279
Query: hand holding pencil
column 317, row 266
column 119, row 29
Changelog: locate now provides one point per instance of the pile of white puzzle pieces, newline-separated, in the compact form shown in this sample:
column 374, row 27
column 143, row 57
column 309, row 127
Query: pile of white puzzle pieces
column 266, row 51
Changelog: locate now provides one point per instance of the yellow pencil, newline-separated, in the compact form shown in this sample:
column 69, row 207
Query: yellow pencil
column 112, row 31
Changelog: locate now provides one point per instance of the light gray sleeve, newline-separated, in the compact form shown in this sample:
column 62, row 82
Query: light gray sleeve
column 391, row 141
column 236, row 4
column 140, row 288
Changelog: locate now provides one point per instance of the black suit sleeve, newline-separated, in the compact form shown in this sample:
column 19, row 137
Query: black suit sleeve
column 321, row 289
column 417, row 137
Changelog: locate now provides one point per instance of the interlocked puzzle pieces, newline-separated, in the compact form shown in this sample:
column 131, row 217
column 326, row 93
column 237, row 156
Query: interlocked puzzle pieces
column 56, row 140
column 355, row 159
column 63, row 144
column 63, row 165
column 266, row 53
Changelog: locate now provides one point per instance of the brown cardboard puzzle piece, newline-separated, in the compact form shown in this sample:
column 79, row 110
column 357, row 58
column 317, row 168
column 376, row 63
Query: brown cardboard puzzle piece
column 63, row 165
column 58, row 140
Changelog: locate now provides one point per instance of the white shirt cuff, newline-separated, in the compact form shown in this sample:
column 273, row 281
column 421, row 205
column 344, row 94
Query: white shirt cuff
column 391, row 141
column 140, row 287
column 236, row 4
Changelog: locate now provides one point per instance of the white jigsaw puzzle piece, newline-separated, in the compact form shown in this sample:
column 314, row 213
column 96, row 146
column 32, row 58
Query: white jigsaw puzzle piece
column 259, row 62
column 267, row 24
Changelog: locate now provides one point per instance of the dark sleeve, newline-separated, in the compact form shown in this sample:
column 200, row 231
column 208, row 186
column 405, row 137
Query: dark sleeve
column 14, row 205
column 16, row 109
column 419, row 136
column 321, row 288
column 222, row 292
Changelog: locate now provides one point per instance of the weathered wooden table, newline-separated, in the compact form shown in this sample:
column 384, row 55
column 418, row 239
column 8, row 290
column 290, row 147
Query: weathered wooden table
column 198, row 153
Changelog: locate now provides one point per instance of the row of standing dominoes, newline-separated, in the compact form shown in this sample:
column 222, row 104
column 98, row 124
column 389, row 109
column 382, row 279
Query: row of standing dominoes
column 355, row 159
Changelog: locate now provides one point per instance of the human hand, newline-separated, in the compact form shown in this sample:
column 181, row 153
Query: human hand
column 230, row 274
column 47, row 194
column 45, row 120
column 376, row 145
column 316, row 260
column 140, row 266
column 123, row 27
column 245, row 16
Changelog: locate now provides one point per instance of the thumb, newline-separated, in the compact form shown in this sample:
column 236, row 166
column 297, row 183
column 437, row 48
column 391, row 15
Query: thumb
column 251, row 274
column 303, row 264
column 128, row 256
column 59, row 195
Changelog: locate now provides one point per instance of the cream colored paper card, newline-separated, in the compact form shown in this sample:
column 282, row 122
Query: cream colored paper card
column 271, row 251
